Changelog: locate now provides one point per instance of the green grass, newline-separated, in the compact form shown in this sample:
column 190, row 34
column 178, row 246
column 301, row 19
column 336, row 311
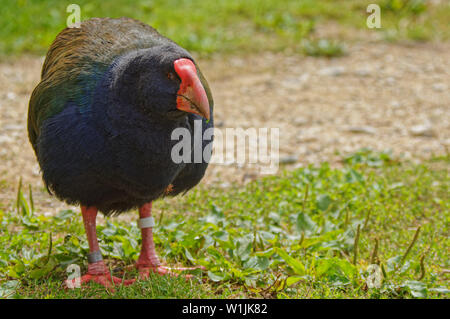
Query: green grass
column 324, row 47
column 29, row 26
column 286, row 236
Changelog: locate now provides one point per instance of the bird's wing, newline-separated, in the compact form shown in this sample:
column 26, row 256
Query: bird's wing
column 76, row 60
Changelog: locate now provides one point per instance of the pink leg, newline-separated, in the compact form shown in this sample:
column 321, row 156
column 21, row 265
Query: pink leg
column 97, row 270
column 148, row 260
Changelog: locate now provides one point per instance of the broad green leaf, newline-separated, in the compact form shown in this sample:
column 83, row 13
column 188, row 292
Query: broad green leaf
column 295, row 264
column 8, row 288
column 323, row 201
column 65, row 214
column 188, row 255
column 256, row 262
column 19, row 268
column 244, row 247
column 38, row 273
column 266, row 235
column 221, row 235
column 305, row 224
column 45, row 269
column 292, row 280
column 441, row 290
column 215, row 277
column 393, row 263
column 353, row 176
column 30, row 222
column 275, row 217
column 418, row 289
column 335, row 269
column 263, row 263
column 267, row 253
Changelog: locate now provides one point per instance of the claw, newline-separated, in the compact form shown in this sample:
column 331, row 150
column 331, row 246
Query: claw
column 148, row 260
column 97, row 272
column 144, row 271
column 106, row 280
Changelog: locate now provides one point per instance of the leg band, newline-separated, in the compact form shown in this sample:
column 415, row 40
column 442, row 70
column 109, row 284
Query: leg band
column 147, row 222
column 94, row 257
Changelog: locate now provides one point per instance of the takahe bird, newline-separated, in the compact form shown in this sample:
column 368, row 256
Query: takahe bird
column 100, row 121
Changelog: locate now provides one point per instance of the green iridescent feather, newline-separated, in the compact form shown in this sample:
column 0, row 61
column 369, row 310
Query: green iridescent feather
column 76, row 60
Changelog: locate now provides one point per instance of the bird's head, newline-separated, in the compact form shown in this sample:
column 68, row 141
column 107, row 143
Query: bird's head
column 163, row 80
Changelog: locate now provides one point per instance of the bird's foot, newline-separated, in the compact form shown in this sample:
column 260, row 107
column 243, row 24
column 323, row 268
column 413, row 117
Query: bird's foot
column 99, row 273
column 145, row 269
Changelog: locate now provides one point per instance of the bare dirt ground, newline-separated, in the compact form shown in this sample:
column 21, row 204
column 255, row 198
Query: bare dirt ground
column 380, row 95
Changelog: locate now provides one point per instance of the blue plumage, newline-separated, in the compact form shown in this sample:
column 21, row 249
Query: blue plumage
column 109, row 144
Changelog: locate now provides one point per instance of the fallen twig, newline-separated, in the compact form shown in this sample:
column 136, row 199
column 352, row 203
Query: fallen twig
column 422, row 268
column 422, row 263
column 305, row 198
column 346, row 218
column 416, row 235
column 374, row 259
column 302, row 237
column 355, row 246
column 366, row 221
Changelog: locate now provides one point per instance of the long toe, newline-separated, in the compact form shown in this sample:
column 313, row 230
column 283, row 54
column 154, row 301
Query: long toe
column 183, row 268
column 144, row 272
column 106, row 280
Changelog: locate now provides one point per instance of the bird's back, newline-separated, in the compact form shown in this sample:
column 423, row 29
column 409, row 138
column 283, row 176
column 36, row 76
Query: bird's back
column 77, row 59
column 83, row 158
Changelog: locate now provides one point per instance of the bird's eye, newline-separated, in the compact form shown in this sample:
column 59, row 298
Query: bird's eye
column 171, row 76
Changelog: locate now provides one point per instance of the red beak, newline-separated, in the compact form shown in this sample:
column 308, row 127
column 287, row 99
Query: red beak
column 191, row 97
